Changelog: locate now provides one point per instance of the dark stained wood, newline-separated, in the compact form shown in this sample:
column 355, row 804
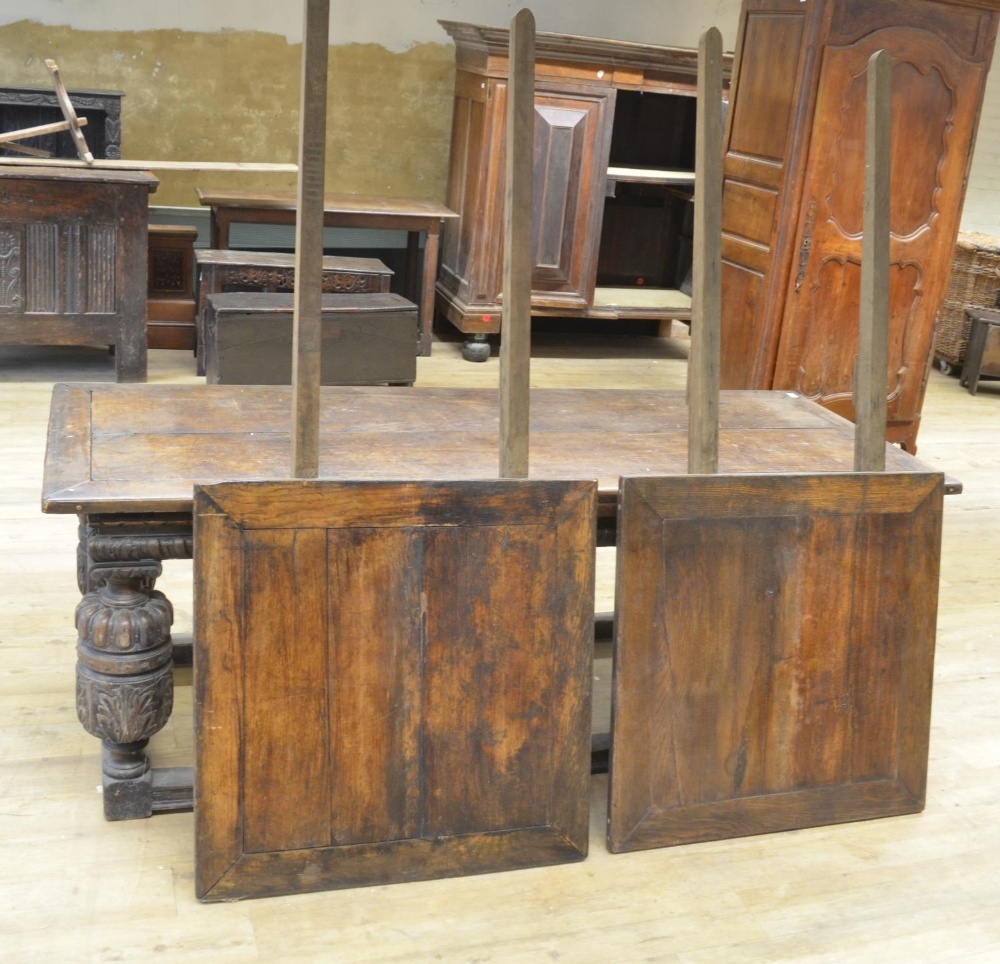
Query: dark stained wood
column 791, row 277
column 31, row 106
column 369, row 708
column 220, row 271
column 170, row 304
column 515, row 348
column 774, row 643
column 983, row 354
column 73, row 247
column 578, row 133
column 415, row 216
column 366, row 339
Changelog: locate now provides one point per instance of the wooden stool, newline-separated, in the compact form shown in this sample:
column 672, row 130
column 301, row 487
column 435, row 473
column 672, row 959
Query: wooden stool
column 170, row 287
column 984, row 320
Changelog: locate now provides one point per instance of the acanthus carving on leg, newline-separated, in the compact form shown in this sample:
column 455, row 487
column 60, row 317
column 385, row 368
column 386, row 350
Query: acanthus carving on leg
column 124, row 670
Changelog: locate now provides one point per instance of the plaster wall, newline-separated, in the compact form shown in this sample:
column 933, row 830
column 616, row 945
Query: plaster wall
column 220, row 81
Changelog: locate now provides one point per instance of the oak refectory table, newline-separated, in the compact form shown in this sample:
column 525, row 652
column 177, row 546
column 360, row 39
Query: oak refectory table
column 414, row 216
column 125, row 460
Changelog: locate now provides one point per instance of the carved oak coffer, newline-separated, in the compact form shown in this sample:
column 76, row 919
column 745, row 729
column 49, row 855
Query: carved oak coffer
column 392, row 681
column 73, row 260
column 221, row 271
column 367, row 339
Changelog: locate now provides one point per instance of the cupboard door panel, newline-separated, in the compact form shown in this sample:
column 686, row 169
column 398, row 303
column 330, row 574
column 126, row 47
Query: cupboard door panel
column 572, row 142
column 761, row 120
column 935, row 101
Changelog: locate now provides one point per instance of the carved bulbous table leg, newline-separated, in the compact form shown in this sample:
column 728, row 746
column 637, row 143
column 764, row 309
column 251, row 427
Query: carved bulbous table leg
column 124, row 679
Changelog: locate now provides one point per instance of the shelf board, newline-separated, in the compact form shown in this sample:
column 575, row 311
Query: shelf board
column 650, row 175
column 642, row 299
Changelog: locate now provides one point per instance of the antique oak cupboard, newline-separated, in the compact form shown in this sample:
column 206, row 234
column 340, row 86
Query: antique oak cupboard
column 792, row 200
column 613, row 180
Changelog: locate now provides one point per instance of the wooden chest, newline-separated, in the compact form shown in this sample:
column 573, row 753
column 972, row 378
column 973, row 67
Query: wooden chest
column 73, row 260
column 368, row 339
column 220, row 271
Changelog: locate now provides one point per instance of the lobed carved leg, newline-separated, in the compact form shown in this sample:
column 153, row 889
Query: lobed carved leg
column 124, row 691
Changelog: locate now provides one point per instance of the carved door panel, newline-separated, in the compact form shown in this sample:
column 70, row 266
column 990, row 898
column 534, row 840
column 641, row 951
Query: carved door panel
column 572, row 143
column 935, row 99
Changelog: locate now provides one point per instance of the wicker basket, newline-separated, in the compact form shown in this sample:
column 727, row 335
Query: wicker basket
column 975, row 283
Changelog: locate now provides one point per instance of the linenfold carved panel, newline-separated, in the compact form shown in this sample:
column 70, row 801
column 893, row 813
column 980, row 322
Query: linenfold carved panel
column 70, row 268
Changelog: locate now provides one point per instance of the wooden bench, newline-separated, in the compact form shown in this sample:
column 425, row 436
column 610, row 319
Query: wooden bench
column 367, row 339
column 414, row 216
column 221, row 271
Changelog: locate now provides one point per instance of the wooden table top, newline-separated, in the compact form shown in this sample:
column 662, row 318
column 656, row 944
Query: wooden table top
column 339, row 203
column 141, row 448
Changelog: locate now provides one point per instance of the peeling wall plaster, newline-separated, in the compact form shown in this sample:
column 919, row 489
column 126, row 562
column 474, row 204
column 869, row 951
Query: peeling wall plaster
column 219, row 80
column 394, row 24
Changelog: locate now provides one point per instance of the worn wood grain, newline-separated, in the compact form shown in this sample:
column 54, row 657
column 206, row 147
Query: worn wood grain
column 873, row 337
column 306, row 338
column 774, row 640
column 703, row 372
column 515, row 345
column 147, row 457
column 399, row 716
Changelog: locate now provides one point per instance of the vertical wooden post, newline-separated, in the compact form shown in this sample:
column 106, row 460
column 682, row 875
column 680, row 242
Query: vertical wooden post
column 706, row 305
column 873, row 337
column 515, row 323
column 306, row 339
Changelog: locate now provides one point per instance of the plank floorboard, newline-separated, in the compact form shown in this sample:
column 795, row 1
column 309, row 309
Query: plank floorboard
column 905, row 889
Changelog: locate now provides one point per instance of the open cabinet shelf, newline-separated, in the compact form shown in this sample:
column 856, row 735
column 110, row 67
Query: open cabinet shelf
column 614, row 180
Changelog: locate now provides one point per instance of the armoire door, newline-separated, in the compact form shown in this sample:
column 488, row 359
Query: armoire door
column 572, row 142
column 758, row 187
column 938, row 72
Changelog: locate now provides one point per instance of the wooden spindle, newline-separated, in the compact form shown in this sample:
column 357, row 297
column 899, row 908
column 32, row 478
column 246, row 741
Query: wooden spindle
column 873, row 336
column 706, row 303
column 306, row 341
column 515, row 324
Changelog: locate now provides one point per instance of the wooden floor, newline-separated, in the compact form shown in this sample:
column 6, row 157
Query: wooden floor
column 914, row 889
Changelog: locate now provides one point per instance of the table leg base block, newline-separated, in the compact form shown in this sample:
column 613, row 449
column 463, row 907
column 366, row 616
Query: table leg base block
column 128, row 781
